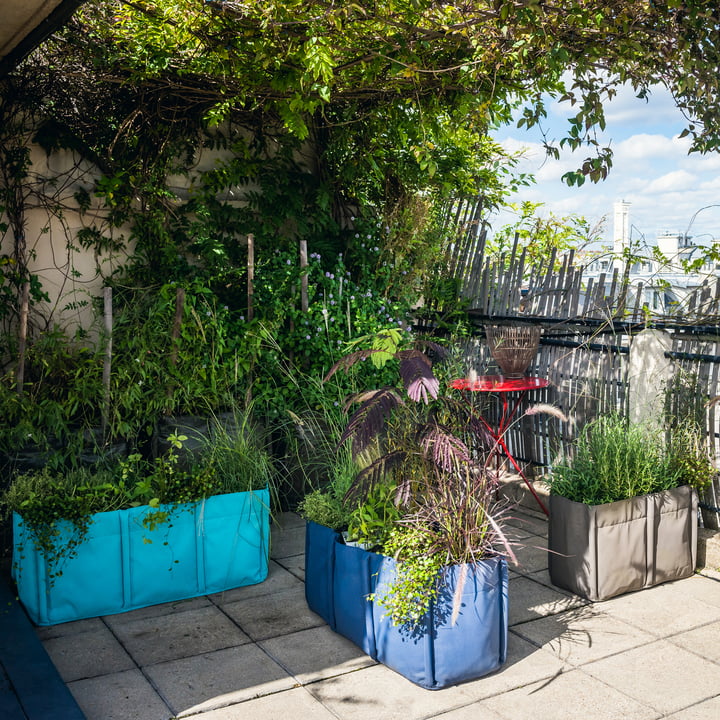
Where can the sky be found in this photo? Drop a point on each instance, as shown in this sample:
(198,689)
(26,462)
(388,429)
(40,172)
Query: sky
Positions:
(652,170)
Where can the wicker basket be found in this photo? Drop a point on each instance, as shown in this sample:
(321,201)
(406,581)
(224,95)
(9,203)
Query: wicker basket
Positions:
(513,347)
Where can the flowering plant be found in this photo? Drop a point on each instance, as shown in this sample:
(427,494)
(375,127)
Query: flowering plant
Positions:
(423,490)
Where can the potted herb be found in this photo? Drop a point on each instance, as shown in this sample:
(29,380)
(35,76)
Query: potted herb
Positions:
(622,514)
(423,588)
(95,541)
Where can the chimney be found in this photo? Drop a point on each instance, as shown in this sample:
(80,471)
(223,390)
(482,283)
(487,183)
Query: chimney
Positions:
(621,230)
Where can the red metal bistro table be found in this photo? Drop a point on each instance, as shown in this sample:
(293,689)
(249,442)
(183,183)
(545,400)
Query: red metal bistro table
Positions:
(503,387)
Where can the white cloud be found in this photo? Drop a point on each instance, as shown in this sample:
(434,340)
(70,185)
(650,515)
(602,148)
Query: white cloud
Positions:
(651,169)
(643,147)
(674,181)
(627,110)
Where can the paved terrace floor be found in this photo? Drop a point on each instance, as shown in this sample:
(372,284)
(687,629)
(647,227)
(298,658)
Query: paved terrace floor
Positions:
(258,653)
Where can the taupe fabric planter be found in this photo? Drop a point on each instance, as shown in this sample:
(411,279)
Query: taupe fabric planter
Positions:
(599,551)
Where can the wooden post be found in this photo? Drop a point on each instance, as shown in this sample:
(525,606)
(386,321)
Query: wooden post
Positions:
(107,360)
(22,339)
(250,275)
(304,277)
(250,309)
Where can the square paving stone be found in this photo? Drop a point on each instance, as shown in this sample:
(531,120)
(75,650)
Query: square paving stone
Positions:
(532,524)
(583,635)
(316,653)
(382,694)
(287,705)
(699,587)
(287,541)
(707,710)
(294,564)
(525,664)
(278,579)
(273,615)
(476,711)
(119,696)
(530,600)
(543,577)
(156,639)
(206,682)
(69,628)
(288,520)
(569,696)
(160,610)
(661,675)
(87,654)
(662,610)
(531,555)
(703,641)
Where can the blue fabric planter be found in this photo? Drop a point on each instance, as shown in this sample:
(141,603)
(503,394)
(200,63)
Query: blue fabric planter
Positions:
(205,547)
(338,580)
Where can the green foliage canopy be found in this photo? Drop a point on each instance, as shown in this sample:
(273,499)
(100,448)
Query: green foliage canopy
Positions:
(309,62)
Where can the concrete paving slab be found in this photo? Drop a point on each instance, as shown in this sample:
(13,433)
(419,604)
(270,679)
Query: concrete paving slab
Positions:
(119,696)
(699,587)
(69,628)
(514,531)
(568,696)
(530,523)
(663,676)
(286,520)
(476,711)
(381,694)
(663,610)
(707,710)
(703,641)
(531,555)
(297,703)
(154,611)
(294,564)
(207,682)
(278,579)
(273,615)
(287,541)
(525,664)
(88,654)
(530,600)
(281,661)
(178,635)
(315,654)
(30,686)
(539,576)
(582,635)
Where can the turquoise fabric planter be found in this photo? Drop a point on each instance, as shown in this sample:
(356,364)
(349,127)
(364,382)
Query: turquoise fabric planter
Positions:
(438,653)
(205,547)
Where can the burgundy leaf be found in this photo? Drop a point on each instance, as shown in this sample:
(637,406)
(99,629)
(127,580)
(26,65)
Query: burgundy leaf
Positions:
(446,451)
(368,421)
(417,376)
(373,474)
(347,361)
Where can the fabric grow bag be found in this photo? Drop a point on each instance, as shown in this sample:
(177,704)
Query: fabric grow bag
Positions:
(600,551)
(438,653)
(205,547)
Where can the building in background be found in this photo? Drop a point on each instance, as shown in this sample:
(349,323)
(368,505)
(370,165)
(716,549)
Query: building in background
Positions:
(664,273)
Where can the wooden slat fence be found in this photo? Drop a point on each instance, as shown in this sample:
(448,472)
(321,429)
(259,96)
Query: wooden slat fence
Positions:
(588,326)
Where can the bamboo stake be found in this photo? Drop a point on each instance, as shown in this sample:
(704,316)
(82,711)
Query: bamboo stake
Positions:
(304,304)
(107,359)
(22,339)
(251,275)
